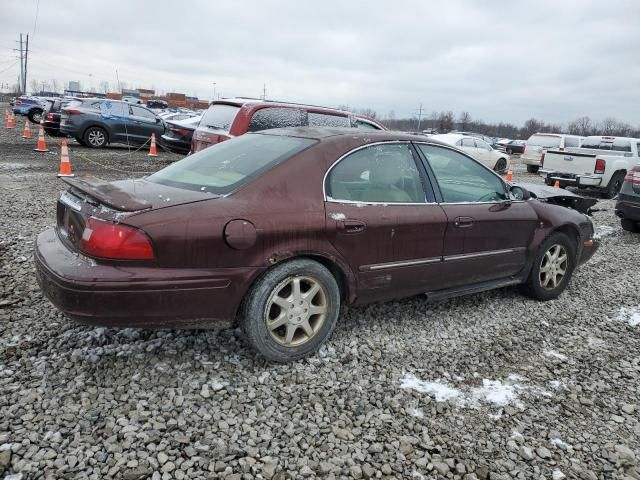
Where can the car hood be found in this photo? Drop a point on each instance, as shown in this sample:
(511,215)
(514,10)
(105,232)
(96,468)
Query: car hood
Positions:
(135,195)
(560,196)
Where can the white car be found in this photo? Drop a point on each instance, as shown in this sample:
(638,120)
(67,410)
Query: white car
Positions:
(478,149)
(539,143)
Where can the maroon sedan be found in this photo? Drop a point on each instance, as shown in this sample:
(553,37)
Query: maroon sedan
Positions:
(277,229)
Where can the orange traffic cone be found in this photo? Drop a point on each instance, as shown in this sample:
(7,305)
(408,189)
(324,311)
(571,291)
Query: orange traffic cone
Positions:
(42,146)
(26,133)
(153,152)
(11,122)
(557,184)
(65,165)
(509,176)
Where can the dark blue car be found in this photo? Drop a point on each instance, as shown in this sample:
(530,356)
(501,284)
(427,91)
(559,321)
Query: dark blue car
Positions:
(32,107)
(96,122)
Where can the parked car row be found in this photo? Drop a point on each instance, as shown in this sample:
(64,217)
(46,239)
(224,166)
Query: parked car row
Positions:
(478,149)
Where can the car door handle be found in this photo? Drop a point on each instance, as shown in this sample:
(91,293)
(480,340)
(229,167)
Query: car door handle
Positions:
(353,226)
(463,222)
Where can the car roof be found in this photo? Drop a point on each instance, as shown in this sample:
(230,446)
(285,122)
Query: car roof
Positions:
(368,136)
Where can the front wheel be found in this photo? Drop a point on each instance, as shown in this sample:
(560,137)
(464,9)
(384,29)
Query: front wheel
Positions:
(291,310)
(630,226)
(553,266)
(533,168)
(35,115)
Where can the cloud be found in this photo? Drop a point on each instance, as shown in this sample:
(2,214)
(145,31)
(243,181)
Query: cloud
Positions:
(499,60)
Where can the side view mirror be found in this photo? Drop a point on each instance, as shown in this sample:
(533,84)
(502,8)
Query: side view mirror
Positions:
(158,120)
(519,193)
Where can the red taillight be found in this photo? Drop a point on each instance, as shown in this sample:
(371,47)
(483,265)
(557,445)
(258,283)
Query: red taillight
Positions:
(600,166)
(71,111)
(542,160)
(18,102)
(49,116)
(115,240)
(633,176)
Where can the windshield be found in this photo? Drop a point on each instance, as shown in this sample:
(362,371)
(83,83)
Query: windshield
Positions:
(226,166)
(546,141)
(219,116)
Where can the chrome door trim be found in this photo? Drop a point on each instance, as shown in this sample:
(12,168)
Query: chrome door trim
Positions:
(488,253)
(407,263)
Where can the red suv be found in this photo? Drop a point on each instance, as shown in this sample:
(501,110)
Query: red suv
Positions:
(232,117)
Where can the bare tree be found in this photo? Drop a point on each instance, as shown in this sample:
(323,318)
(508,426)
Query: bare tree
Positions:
(581,126)
(531,126)
(368,112)
(464,120)
(391,115)
(445,121)
(104,86)
(35,86)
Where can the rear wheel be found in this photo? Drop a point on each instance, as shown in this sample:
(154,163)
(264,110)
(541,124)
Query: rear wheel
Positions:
(501,165)
(80,141)
(630,226)
(553,266)
(35,115)
(509,151)
(533,168)
(615,184)
(95,137)
(291,310)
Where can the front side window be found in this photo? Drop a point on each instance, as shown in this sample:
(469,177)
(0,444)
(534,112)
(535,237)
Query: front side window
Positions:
(462,179)
(483,145)
(380,173)
(277,117)
(620,145)
(324,120)
(228,165)
(365,125)
(142,112)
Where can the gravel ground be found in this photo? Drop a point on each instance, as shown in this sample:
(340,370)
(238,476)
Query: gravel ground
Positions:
(487,386)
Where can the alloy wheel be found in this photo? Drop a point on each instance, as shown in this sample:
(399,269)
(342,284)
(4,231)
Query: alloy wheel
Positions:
(296,310)
(96,138)
(553,267)
(37,117)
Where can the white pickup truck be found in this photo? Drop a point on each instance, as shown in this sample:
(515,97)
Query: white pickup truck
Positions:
(601,162)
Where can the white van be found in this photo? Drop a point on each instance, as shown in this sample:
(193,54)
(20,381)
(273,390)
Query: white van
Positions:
(539,143)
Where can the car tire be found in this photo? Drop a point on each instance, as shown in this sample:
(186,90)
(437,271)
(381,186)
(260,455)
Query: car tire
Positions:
(615,184)
(550,274)
(80,141)
(630,225)
(95,137)
(35,115)
(500,166)
(533,168)
(276,316)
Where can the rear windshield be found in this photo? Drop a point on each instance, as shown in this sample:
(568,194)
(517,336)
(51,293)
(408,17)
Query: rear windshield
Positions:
(226,166)
(615,144)
(219,116)
(546,141)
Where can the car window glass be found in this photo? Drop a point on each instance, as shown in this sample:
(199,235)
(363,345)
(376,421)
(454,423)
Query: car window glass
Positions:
(379,173)
(571,142)
(620,145)
(365,125)
(482,144)
(113,108)
(324,120)
(462,179)
(468,142)
(219,116)
(277,117)
(142,112)
(227,166)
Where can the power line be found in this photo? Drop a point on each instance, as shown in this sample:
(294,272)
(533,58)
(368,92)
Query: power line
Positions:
(35,23)
(9,67)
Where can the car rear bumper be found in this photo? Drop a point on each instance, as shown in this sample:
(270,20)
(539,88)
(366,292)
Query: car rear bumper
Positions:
(175,145)
(530,160)
(121,296)
(570,179)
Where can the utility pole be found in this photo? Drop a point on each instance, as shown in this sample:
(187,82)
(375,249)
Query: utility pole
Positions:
(419,113)
(264,91)
(21,87)
(26,53)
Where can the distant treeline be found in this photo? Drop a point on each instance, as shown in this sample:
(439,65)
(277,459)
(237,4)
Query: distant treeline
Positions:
(444,122)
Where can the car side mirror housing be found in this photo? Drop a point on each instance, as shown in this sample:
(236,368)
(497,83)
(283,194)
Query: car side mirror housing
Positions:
(519,193)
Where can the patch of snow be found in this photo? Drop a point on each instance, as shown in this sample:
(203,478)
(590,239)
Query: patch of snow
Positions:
(416,412)
(338,216)
(594,342)
(496,392)
(556,355)
(5,446)
(516,435)
(555,384)
(603,231)
(559,443)
(13,476)
(558,475)
(631,315)
(514,377)
(441,391)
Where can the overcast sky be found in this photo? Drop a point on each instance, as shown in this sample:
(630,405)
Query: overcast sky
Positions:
(501,60)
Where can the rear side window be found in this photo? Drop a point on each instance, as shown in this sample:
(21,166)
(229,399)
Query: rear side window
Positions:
(545,141)
(324,120)
(267,118)
(468,142)
(219,116)
(118,109)
(621,146)
(571,142)
(227,166)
